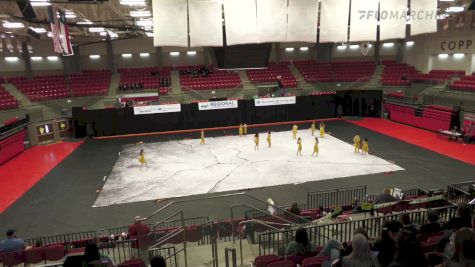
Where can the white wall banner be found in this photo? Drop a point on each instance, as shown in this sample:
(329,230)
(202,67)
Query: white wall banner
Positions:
(334,21)
(170,23)
(275,101)
(363,23)
(141,110)
(206,26)
(211,105)
(272,20)
(241,22)
(423,16)
(392,19)
(302,21)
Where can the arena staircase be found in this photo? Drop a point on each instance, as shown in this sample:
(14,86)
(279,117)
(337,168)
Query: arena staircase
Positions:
(114,85)
(374,82)
(22,99)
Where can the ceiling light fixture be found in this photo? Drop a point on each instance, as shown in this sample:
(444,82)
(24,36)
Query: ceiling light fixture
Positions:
(85,22)
(38,30)
(132,2)
(455,9)
(13,25)
(96,29)
(140,13)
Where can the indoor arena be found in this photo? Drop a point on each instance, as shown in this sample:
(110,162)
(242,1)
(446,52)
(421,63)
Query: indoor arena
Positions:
(263,133)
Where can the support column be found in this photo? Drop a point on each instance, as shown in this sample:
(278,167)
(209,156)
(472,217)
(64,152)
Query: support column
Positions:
(110,56)
(158,57)
(400,50)
(26,57)
(277,52)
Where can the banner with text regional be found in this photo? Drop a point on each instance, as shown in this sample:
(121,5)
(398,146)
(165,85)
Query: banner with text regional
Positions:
(218,105)
(276,101)
(141,110)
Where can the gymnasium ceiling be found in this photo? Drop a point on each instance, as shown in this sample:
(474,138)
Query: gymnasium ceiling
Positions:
(110,14)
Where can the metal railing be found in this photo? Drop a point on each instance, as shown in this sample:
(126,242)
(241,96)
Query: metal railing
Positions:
(168,253)
(275,242)
(336,197)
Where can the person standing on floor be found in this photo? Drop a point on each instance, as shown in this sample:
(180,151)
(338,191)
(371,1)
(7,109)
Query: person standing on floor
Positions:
(295,129)
(241,130)
(315,147)
(256,141)
(142,158)
(365,147)
(244,127)
(299,147)
(312,128)
(269,140)
(202,142)
(322,129)
(357,142)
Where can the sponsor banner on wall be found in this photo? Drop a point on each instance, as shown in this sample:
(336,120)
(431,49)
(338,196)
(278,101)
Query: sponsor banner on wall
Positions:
(275,101)
(153,109)
(226,104)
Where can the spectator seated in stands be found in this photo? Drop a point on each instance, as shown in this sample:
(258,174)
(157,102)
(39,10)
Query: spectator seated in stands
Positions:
(361,256)
(92,257)
(385,197)
(12,243)
(386,245)
(332,250)
(463,218)
(140,231)
(460,250)
(301,245)
(348,249)
(408,225)
(409,252)
(295,209)
(158,261)
(433,226)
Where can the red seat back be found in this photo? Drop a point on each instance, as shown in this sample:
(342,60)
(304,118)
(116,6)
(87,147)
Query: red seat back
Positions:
(285,263)
(264,260)
(314,261)
(12,258)
(54,252)
(34,255)
(132,263)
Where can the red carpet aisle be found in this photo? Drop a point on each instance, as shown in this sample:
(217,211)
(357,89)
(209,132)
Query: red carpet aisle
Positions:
(419,137)
(18,175)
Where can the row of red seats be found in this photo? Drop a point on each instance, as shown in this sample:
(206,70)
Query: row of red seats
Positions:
(438,76)
(466,84)
(149,77)
(33,255)
(217,79)
(431,119)
(7,101)
(397,74)
(336,72)
(270,75)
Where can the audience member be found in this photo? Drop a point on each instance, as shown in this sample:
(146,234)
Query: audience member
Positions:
(460,251)
(409,252)
(408,225)
(158,261)
(92,257)
(295,209)
(433,225)
(361,254)
(348,249)
(386,245)
(463,218)
(12,243)
(301,245)
(332,249)
(140,231)
(385,197)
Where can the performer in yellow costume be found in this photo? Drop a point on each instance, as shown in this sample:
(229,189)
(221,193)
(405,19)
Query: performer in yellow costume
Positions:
(244,129)
(202,142)
(312,128)
(322,129)
(299,147)
(315,147)
(142,158)
(357,141)
(295,128)
(269,140)
(365,148)
(256,141)
(241,130)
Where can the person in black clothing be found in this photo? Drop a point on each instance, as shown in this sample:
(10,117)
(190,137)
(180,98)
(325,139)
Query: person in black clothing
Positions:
(463,218)
(433,226)
(386,245)
(385,197)
(408,225)
(158,261)
(409,252)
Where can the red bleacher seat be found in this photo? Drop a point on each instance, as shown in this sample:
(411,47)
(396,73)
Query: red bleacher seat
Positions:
(132,263)
(438,76)
(54,252)
(465,84)
(7,101)
(264,260)
(216,79)
(270,75)
(34,255)
(11,258)
(314,261)
(149,77)
(336,72)
(285,263)
(393,74)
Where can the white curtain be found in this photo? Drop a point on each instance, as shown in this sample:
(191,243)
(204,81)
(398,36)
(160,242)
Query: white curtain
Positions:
(205,23)
(334,20)
(302,21)
(363,23)
(241,22)
(424,19)
(170,24)
(272,20)
(392,20)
